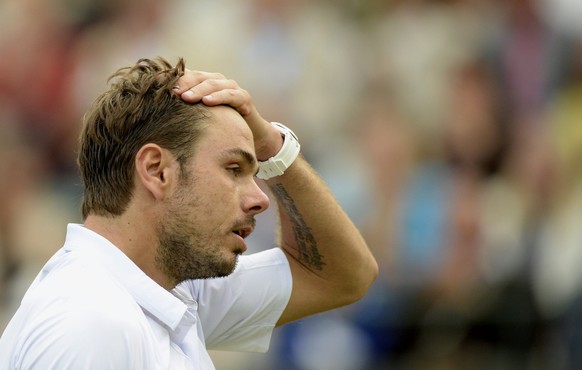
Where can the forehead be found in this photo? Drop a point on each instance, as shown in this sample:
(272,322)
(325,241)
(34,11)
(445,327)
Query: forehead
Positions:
(226,131)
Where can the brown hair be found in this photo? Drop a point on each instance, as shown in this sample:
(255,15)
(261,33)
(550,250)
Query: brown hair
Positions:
(138,108)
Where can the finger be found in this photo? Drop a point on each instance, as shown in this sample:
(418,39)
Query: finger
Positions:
(193,78)
(238,98)
(208,87)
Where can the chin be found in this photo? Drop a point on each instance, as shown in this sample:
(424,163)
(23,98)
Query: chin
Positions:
(234,262)
(228,265)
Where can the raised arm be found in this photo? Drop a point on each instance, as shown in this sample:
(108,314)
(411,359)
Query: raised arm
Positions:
(330,262)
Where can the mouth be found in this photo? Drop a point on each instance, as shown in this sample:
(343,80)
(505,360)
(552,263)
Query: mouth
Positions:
(243,232)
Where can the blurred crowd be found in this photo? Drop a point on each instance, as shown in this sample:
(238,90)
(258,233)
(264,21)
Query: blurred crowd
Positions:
(450,131)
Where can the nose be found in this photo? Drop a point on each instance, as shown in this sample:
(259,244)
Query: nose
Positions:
(256,201)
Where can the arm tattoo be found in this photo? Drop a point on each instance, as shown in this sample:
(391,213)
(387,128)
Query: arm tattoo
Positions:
(308,253)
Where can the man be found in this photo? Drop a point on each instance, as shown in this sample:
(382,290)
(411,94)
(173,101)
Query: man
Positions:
(151,279)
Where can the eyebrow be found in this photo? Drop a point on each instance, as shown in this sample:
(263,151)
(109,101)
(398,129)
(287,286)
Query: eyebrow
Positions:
(246,156)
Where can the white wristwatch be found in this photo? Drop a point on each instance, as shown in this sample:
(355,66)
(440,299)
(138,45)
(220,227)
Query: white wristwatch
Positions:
(276,165)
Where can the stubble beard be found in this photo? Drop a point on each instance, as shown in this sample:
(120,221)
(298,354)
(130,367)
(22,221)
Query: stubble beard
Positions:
(184,252)
(183,255)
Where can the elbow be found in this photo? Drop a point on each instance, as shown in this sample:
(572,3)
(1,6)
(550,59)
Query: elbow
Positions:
(368,277)
(361,281)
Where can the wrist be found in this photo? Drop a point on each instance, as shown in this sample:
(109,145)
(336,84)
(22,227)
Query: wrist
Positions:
(278,163)
(270,145)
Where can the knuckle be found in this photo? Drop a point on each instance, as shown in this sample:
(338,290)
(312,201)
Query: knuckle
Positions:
(245,111)
(247,96)
(213,82)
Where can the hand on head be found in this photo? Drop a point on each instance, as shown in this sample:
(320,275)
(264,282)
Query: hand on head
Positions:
(215,89)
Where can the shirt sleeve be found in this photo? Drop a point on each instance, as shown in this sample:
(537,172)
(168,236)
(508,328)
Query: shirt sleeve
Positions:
(239,312)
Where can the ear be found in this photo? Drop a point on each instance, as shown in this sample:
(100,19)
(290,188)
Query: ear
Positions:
(155,169)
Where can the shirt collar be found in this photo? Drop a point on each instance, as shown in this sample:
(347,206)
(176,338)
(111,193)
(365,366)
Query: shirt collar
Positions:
(150,296)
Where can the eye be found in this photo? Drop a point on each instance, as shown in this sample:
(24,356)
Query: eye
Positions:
(235,169)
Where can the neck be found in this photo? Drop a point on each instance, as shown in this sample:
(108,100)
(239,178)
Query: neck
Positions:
(135,237)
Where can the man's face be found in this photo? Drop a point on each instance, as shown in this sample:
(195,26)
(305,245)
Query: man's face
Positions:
(212,208)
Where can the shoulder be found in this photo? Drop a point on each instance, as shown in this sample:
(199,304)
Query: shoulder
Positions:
(78,314)
(80,287)
(238,312)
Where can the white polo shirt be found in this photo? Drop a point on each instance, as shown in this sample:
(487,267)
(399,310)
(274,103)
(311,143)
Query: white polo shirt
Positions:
(91,307)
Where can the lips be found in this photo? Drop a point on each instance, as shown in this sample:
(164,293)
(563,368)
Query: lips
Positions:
(243,232)
(243,228)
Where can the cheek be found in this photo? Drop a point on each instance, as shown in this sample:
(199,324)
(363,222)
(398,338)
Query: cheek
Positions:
(223,193)
(220,204)
(217,200)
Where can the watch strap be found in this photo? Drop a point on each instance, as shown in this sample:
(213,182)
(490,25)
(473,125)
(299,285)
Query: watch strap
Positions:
(276,165)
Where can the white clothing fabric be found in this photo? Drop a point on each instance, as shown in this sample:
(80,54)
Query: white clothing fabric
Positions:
(91,307)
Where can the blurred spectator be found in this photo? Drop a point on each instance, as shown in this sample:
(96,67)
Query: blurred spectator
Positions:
(418,43)
(125,32)
(556,278)
(527,56)
(42,112)
(19,162)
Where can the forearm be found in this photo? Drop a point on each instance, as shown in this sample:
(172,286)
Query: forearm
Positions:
(328,256)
